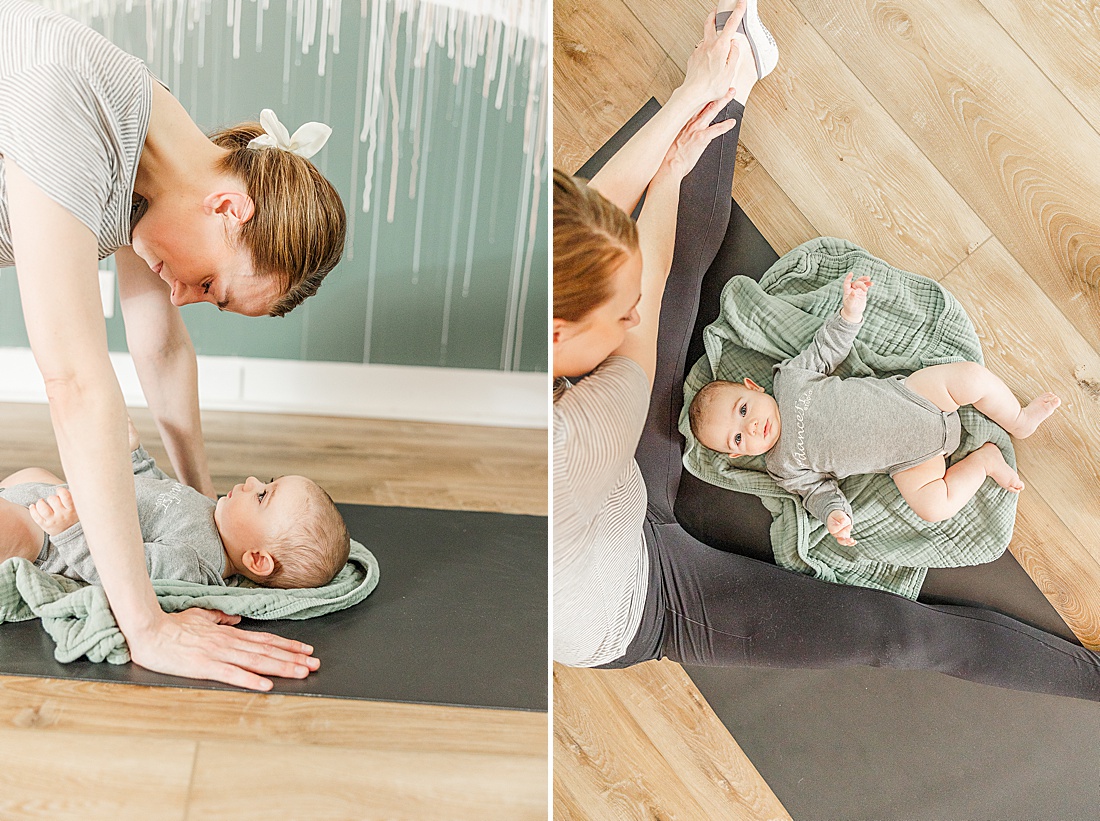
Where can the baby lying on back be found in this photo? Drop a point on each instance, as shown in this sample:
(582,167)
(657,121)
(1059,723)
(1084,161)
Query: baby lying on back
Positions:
(282,533)
(820,428)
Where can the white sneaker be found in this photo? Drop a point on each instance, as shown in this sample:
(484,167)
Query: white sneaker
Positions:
(764,50)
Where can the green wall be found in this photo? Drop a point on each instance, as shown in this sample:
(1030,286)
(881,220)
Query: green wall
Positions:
(374,307)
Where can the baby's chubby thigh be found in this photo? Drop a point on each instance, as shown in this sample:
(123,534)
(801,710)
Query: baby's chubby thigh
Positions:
(950,385)
(31,476)
(20,537)
(922,487)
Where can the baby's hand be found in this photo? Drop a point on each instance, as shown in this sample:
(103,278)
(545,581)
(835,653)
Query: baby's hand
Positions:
(855,298)
(839,524)
(55,514)
(135,440)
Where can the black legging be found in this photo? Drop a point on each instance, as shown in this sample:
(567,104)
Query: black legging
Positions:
(709,607)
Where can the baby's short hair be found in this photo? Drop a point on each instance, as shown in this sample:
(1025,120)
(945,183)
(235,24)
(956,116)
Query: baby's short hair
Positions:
(702,402)
(312,552)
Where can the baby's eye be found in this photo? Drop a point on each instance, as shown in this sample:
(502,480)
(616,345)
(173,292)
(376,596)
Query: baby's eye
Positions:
(744,408)
(206,286)
(260,496)
(737,439)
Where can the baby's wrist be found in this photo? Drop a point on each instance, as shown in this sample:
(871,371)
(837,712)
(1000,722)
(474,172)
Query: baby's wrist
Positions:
(847,316)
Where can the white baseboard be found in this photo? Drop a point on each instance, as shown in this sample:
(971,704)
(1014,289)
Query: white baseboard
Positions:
(446,395)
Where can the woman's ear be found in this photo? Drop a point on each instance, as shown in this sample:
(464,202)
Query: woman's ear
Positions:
(259,563)
(236,206)
(563,330)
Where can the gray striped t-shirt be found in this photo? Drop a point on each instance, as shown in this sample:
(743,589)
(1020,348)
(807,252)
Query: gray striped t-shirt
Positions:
(601,567)
(74,111)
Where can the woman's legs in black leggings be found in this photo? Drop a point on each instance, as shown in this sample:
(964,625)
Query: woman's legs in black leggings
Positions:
(726,610)
(722,609)
(704,213)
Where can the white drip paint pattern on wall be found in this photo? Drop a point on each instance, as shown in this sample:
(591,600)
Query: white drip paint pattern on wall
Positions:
(497,51)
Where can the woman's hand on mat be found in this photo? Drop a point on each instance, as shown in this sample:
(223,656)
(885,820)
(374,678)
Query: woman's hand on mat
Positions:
(710,68)
(840,525)
(855,297)
(55,514)
(201,644)
(694,137)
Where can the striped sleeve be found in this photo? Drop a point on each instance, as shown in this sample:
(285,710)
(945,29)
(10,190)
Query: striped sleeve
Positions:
(74,113)
(601,419)
(600,561)
(52,139)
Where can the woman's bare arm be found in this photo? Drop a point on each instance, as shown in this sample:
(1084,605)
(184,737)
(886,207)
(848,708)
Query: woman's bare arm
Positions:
(55,257)
(165,361)
(708,76)
(657,229)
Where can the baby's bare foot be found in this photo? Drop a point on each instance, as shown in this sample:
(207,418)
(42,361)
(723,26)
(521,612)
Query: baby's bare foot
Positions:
(1035,414)
(999,470)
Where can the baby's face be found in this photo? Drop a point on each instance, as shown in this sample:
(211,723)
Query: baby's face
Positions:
(254,513)
(740,420)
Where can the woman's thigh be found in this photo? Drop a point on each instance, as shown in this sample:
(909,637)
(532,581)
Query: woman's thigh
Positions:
(727,610)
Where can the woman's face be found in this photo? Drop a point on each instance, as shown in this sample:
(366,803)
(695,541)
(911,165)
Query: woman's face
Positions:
(582,345)
(191,252)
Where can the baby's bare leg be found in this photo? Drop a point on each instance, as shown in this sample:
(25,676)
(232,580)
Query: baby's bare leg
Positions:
(936,492)
(29,475)
(968,383)
(19,535)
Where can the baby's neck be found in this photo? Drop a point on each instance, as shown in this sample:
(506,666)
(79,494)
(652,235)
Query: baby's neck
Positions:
(229,569)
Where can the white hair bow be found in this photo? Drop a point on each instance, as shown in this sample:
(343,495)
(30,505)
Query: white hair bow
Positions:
(307,140)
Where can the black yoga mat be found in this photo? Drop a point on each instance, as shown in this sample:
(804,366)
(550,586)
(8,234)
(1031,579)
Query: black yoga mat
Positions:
(889,745)
(458,618)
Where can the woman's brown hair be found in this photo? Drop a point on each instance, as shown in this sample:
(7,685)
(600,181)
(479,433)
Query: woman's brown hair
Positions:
(297,230)
(592,238)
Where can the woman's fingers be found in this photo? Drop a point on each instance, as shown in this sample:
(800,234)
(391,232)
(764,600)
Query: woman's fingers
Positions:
(258,643)
(709,26)
(735,18)
(713,108)
(709,70)
(195,644)
(278,642)
(214,616)
(255,658)
(218,617)
(269,649)
(237,677)
(718,129)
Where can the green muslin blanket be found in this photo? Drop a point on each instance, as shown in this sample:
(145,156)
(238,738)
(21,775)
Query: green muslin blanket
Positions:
(910,323)
(79,620)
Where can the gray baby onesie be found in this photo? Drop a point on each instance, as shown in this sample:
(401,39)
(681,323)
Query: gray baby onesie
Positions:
(177,526)
(832,428)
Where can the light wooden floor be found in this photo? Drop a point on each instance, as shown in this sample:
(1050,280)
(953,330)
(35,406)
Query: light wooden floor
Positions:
(955,138)
(77,750)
